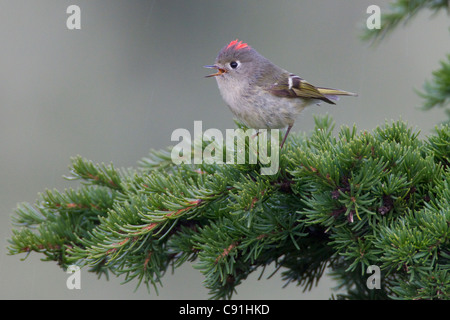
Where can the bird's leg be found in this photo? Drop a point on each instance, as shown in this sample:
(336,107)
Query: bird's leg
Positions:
(285,136)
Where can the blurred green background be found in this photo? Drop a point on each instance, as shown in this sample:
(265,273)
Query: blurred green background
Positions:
(133,74)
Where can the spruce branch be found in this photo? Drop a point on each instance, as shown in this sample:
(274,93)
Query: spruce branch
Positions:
(402,11)
(341,202)
(436,92)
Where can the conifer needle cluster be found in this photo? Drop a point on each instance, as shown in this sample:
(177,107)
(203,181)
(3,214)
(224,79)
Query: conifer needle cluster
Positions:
(345,202)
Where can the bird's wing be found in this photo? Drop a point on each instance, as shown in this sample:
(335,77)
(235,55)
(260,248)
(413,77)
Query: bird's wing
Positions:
(292,86)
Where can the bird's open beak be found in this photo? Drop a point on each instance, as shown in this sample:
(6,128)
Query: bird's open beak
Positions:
(218,73)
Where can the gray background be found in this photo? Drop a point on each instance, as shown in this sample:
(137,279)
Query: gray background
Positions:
(133,74)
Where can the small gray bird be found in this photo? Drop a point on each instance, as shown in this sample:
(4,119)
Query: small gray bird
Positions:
(262,95)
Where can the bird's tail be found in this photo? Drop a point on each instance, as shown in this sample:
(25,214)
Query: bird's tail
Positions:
(334,93)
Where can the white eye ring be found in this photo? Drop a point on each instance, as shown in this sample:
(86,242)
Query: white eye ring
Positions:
(234,64)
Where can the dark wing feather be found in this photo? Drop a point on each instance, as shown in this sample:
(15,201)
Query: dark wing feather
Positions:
(296,88)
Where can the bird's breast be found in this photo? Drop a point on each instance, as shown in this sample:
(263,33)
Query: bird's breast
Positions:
(258,108)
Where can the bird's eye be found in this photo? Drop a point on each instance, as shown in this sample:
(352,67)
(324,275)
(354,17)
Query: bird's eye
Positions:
(233,64)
